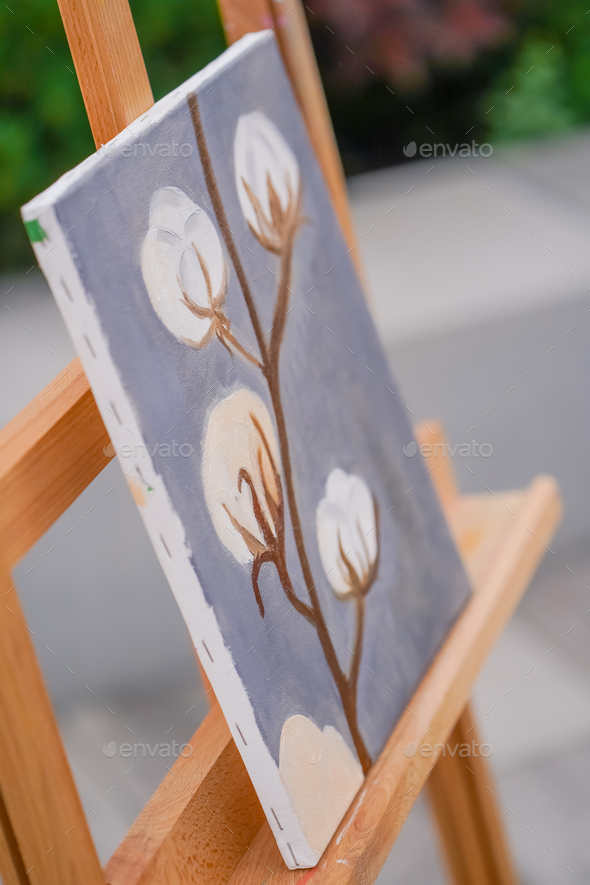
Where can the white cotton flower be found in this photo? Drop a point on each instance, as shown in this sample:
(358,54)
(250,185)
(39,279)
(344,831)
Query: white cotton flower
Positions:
(347,533)
(240,474)
(183,268)
(321,776)
(267,180)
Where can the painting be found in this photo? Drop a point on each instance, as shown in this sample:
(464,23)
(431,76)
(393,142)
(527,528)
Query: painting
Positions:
(205,281)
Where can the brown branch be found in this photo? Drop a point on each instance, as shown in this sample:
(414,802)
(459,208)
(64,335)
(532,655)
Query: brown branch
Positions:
(270,368)
(275,542)
(219,210)
(256,566)
(358,645)
(229,336)
(255,546)
(283,289)
(281,307)
(298,604)
(272,376)
(269,538)
(340,678)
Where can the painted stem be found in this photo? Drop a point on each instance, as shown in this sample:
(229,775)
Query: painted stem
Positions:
(342,683)
(358,646)
(229,336)
(270,368)
(223,225)
(345,688)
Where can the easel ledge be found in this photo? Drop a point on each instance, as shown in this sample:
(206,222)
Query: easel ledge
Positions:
(204,823)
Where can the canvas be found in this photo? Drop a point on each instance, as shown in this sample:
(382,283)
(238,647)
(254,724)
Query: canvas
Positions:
(205,281)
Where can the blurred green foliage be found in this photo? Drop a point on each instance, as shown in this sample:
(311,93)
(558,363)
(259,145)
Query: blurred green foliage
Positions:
(43,126)
(533,97)
(537,84)
(546,88)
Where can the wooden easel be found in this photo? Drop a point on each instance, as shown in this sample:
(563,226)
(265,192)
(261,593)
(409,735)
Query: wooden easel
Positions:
(204,823)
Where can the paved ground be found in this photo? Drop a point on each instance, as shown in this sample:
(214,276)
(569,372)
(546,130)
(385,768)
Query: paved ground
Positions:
(450,242)
(468,299)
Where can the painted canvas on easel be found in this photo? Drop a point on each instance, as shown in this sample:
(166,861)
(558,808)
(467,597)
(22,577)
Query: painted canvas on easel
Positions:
(202,273)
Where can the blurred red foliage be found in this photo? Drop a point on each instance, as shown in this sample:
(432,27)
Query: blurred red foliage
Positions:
(399,39)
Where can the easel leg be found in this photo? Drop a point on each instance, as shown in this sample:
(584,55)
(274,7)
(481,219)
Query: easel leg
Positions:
(467,815)
(44,835)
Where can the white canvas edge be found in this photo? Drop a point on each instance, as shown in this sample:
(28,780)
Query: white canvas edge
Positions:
(168,538)
(155,114)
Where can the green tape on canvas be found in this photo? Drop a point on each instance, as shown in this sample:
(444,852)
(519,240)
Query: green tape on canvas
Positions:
(35,231)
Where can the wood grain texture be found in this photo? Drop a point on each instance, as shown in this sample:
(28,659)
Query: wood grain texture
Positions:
(12,868)
(240,18)
(53,449)
(470,827)
(207,687)
(431,439)
(289,23)
(108,62)
(49,453)
(199,822)
(298,55)
(45,818)
(519,524)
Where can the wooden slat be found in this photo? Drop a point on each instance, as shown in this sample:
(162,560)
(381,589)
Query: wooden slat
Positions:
(297,49)
(431,440)
(240,18)
(358,851)
(54,448)
(288,20)
(49,453)
(199,822)
(44,816)
(463,796)
(108,62)
(12,868)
